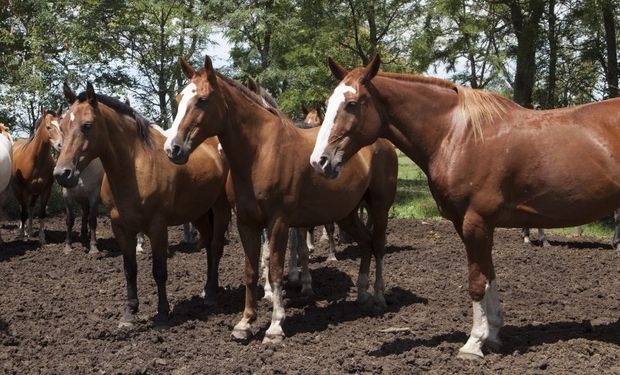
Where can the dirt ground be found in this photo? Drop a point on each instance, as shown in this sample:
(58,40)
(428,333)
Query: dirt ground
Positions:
(59,313)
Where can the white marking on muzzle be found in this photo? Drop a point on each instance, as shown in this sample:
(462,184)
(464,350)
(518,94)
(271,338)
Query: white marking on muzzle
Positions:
(333,105)
(186,96)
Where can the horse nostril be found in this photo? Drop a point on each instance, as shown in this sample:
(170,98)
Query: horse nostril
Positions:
(66,173)
(323,161)
(176,149)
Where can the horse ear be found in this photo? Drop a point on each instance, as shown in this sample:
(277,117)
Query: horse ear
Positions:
(187,69)
(211,76)
(371,70)
(338,71)
(304,109)
(252,85)
(90,94)
(69,94)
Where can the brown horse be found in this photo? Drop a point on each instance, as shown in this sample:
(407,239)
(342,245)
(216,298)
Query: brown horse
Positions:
(483,169)
(312,116)
(33,168)
(274,185)
(148,192)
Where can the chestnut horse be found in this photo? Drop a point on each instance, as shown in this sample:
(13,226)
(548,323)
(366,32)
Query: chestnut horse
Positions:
(279,192)
(483,169)
(33,168)
(148,192)
(6,162)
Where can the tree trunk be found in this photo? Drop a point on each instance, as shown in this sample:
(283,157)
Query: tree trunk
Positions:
(610,40)
(553,58)
(527,31)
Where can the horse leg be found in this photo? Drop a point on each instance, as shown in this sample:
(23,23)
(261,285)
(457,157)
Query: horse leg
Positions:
(304,254)
(264,264)
(22,198)
(2,200)
(329,230)
(324,233)
(33,201)
(220,219)
(69,221)
(85,215)
(42,213)
(616,241)
(487,311)
(579,230)
(92,225)
(189,235)
(294,244)
(310,239)
(379,224)
(140,243)
(250,238)
(158,234)
(355,227)
(542,238)
(127,242)
(525,233)
(277,250)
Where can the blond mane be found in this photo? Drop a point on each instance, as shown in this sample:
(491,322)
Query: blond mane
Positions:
(479,106)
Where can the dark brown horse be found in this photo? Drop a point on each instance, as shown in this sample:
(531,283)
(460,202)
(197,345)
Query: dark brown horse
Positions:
(148,193)
(33,168)
(279,192)
(483,169)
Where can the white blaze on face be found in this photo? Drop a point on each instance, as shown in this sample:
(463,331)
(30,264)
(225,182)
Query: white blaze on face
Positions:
(333,105)
(186,96)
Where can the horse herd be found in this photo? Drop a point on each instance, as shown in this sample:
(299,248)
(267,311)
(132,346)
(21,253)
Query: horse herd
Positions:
(224,151)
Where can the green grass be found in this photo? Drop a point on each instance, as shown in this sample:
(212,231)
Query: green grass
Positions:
(414,201)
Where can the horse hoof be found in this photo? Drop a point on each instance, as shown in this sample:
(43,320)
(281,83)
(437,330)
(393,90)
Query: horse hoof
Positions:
(308,293)
(241,335)
(161,320)
(67,250)
(546,244)
(494,345)
(268,296)
(126,323)
(470,356)
(93,251)
(273,339)
(210,300)
(332,258)
(527,241)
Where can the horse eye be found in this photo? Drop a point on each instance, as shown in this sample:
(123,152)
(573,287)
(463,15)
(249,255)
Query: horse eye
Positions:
(86,127)
(351,105)
(203,98)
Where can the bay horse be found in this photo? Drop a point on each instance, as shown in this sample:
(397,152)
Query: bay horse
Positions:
(279,192)
(148,192)
(32,176)
(6,162)
(482,167)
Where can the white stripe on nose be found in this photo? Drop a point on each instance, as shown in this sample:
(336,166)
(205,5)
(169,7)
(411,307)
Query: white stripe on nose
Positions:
(333,105)
(186,96)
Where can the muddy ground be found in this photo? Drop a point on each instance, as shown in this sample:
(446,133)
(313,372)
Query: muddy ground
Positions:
(59,313)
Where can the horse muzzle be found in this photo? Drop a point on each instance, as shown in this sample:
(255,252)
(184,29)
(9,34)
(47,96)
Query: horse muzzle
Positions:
(66,176)
(329,167)
(176,152)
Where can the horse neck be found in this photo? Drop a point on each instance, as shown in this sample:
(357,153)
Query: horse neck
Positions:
(420,116)
(39,147)
(248,127)
(120,150)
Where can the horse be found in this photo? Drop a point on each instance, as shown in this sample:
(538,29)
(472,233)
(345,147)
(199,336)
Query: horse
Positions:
(312,119)
(280,192)
(483,170)
(86,195)
(6,161)
(148,193)
(32,176)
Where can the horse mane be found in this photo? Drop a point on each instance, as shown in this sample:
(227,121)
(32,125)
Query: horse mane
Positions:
(38,122)
(251,95)
(480,106)
(143,125)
